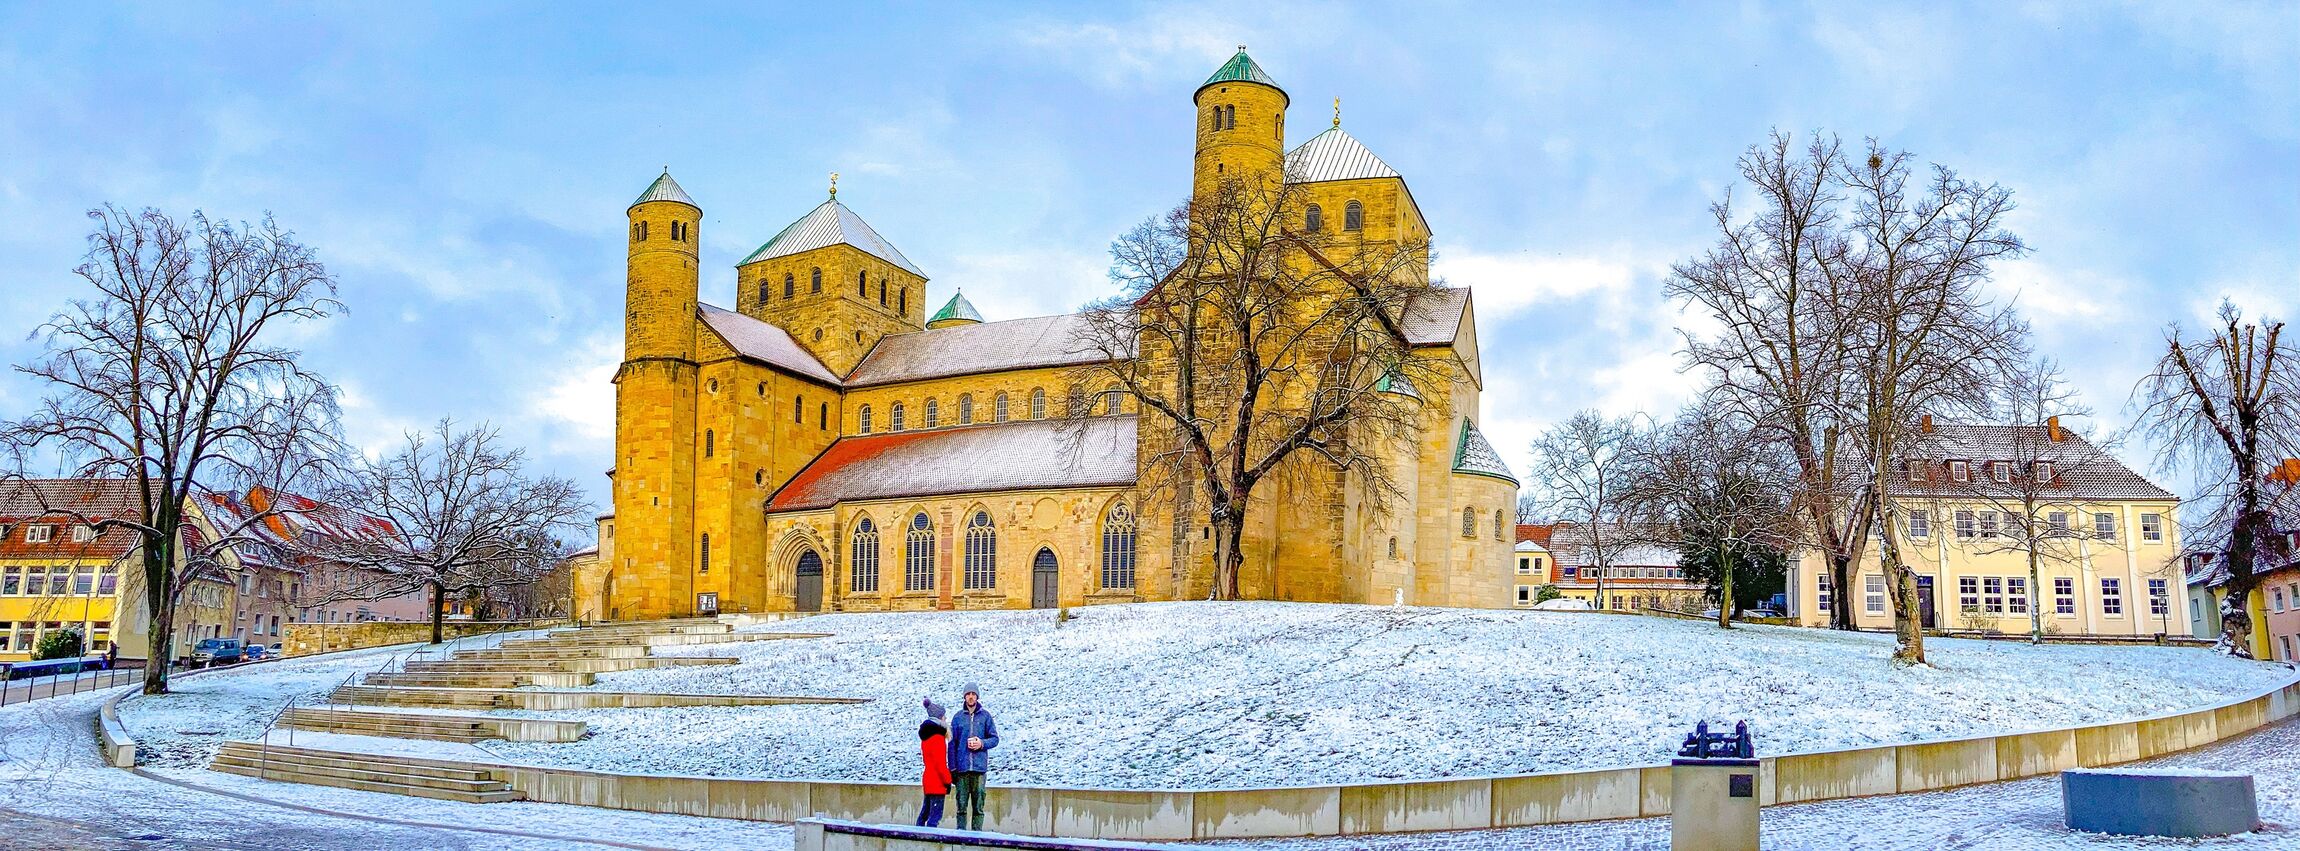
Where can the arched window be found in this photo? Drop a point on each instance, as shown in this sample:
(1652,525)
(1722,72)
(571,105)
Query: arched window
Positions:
(1214,117)
(823,415)
(933,414)
(1497,524)
(965,409)
(1353,216)
(763,291)
(882,292)
(1393,546)
(862,284)
(705,554)
(864,417)
(1118,547)
(918,555)
(678,231)
(635,226)
(1469,523)
(1038,403)
(981,552)
(799,408)
(1314,220)
(1230,117)
(865,558)
(790,286)
(902,299)
(815,285)
(710,442)
(1113,402)
(998,407)
(894,417)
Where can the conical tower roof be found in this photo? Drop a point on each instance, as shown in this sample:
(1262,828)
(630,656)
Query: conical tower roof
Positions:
(957,311)
(830,224)
(665,189)
(1241,69)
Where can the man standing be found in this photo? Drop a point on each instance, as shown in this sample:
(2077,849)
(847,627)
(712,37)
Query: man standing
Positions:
(972,734)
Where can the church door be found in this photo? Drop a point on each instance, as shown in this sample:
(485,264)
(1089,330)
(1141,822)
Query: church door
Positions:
(1045,584)
(810,582)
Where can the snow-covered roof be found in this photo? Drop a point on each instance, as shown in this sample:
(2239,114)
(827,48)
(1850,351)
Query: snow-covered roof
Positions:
(1530,547)
(831,223)
(766,343)
(1334,155)
(1434,318)
(1473,455)
(1028,455)
(1044,341)
(2080,469)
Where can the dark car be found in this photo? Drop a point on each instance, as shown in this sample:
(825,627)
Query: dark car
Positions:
(218,651)
(257,652)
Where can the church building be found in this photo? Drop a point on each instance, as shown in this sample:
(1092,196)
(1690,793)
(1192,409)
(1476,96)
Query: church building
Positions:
(827,444)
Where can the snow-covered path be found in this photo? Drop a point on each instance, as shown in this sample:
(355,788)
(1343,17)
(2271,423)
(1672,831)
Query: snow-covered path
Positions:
(1251,694)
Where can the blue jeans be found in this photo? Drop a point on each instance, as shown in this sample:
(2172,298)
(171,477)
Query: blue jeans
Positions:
(930,812)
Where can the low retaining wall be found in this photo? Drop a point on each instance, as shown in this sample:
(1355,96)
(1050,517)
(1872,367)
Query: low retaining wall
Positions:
(1450,804)
(817,834)
(305,639)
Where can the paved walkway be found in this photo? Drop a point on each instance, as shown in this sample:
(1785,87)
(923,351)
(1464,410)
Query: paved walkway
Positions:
(35,688)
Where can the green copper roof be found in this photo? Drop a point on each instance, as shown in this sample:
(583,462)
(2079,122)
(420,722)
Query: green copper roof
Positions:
(665,189)
(1473,455)
(1241,69)
(958,308)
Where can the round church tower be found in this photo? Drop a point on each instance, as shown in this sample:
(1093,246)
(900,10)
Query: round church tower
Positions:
(1241,127)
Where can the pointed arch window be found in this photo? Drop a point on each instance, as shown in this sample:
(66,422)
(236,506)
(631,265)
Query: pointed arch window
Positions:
(1118,547)
(966,409)
(981,552)
(790,286)
(1314,220)
(998,407)
(863,416)
(1353,216)
(1038,403)
(933,414)
(816,285)
(894,417)
(865,557)
(918,555)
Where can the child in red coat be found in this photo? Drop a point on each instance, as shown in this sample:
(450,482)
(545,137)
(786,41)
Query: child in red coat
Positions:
(933,751)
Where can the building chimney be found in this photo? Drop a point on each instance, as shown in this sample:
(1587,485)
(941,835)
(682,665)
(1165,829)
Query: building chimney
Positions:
(2052,428)
(1926,424)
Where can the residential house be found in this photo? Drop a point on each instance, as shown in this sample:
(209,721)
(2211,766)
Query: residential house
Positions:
(59,570)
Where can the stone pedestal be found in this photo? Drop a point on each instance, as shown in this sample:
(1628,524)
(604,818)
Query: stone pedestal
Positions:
(2186,803)
(1713,805)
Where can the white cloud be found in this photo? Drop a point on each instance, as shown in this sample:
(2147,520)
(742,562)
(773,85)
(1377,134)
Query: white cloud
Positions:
(1508,285)
(1025,282)
(579,408)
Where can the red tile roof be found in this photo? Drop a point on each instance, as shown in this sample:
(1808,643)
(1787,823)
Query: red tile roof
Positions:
(1536,532)
(60,504)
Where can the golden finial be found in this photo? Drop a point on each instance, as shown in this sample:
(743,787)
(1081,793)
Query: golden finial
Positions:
(1241,47)
(1337,112)
(834,185)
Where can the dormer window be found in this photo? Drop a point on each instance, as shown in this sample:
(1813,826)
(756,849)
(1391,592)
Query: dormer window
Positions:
(83,533)
(1916,471)
(40,534)
(1960,471)
(2042,471)
(2000,472)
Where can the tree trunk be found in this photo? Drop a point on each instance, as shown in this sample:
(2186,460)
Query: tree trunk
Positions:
(2035,613)
(1724,589)
(2235,624)
(159,600)
(438,611)
(1229,527)
(1840,579)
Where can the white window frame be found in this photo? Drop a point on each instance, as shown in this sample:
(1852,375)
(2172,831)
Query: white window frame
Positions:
(39,533)
(1920,523)
(2064,601)
(1960,471)
(83,533)
(2104,525)
(1993,595)
(2016,595)
(2041,471)
(2111,594)
(2000,472)
(1873,593)
(2152,528)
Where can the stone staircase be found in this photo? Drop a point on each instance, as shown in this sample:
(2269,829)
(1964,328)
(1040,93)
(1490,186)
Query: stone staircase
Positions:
(473,679)
(422,778)
(445,728)
(562,664)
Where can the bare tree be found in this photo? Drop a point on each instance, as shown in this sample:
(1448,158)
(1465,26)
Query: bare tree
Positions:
(1852,305)
(171,377)
(1581,474)
(463,517)
(2227,408)
(1256,346)
(1708,486)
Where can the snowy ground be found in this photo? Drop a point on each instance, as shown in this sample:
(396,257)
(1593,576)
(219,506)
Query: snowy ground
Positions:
(1245,694)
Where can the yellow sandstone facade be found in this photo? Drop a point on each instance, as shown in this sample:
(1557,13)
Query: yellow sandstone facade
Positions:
(829,445)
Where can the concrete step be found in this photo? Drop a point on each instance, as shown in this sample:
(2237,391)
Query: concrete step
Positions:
(543,700)
(441,697)
(621,651)
(593,666)
(480,680)
(368,772)
(292,775)
(699,628)
(450,728)
(673,640)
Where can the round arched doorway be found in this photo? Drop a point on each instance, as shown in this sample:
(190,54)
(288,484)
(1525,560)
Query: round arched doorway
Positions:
(810,584)
(1045,580)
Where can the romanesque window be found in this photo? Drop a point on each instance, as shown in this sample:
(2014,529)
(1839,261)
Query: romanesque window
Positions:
(1353,216)
(918,555)
(902,299)
(998,407)
(1314,220)
(823,415)
(865,558)
(710,442)
(763,292)
(1118,547)
(799,409)
(933,414)
(965,409)
(1393,546)
(790,286)
(637,229)
(1038,403)
(1214,117)
(882,292)
(1230,117)
(862,284)
(1469,523)
(864,416)
(705,553)
(894,417)
(678,231)
(1497,524)
(816,285)
(981,552)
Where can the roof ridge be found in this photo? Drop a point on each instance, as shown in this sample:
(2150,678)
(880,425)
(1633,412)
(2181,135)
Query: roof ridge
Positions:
(827,225)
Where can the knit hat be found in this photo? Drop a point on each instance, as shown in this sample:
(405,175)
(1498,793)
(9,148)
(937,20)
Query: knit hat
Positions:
(934,711)
(972,689)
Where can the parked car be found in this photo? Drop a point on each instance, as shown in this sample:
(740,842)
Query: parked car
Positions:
(218,651)
(258,653)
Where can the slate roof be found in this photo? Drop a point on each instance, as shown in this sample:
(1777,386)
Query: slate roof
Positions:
(831,224)
(2080,470)
(1434,319)
(1334,155)
(56,503)
(1241,69)
(764,342)
(1473,455)
(665,189)
(1026,455)
(1044,341)
(957,308)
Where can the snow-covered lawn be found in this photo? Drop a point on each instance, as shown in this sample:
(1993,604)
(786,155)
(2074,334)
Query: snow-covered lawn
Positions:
(1246,694)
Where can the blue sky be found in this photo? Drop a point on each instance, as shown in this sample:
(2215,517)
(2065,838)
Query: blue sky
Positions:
(464,168)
